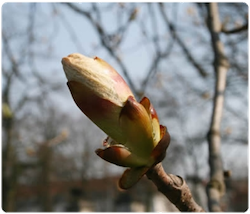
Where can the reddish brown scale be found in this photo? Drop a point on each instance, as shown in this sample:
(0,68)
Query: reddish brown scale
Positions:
(153,113)
(159,151)
(113,155)
(149,108)
(89,102)
(105,143)
(129,108)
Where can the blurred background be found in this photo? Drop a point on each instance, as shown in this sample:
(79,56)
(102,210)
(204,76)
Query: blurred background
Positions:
(164,52)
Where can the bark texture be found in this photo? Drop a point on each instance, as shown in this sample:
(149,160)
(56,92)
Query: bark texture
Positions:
(174,188)
(216,186)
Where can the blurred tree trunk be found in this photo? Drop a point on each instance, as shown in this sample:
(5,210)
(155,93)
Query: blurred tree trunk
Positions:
(216,186)
(9,171)
(45,155)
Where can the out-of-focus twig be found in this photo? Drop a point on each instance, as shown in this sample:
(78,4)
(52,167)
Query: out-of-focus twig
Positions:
(71,32)
(105,42)
(159,53)
(180,42)
(49,143)
(235,30)
(58,139)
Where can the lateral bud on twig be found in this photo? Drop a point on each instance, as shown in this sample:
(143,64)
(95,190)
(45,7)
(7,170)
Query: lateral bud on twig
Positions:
(174,188)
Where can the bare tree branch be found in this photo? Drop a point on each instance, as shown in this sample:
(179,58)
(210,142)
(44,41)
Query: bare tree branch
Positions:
(104,40)
(14,62)
(159,54)
(71,32)
(180,42)
(235,30)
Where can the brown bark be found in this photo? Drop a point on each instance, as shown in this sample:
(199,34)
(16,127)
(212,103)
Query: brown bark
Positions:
(235,30)
(174,188)
(216,186)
